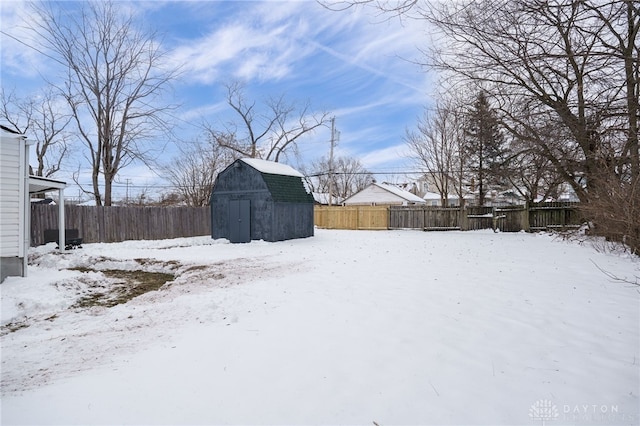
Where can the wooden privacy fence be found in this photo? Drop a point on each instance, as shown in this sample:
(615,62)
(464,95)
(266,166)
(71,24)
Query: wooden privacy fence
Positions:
(351,217)
(554,215)
(114,224)
(429,218)
(533,217)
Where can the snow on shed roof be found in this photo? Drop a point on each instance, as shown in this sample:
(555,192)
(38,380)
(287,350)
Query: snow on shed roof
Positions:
(271,167)
(400,192)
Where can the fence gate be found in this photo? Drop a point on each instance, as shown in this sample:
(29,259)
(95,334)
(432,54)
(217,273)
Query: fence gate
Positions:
(511,219)
(479,218)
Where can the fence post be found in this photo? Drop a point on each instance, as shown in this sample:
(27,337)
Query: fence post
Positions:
(424,218)
(524,218)
(463,219)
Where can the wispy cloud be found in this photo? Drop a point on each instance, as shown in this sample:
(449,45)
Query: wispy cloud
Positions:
(351,63)
(248,46)
(18,54)
(393,156)
(272,40)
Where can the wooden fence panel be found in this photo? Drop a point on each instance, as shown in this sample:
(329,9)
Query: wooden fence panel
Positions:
(554,216)
(330,217)
(410,217)
(512,219)
(442,218)
(479,218)
(351,217)
(428,218)
(114,224)
(373,217)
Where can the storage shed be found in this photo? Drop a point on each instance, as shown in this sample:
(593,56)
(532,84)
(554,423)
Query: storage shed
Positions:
(255,199)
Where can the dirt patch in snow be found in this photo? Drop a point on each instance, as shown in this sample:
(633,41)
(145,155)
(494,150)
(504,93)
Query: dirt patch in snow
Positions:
(130,296)
(125,286)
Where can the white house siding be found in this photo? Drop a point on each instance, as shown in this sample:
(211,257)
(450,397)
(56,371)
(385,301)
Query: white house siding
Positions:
(10,200)
(12,204)
(433,200)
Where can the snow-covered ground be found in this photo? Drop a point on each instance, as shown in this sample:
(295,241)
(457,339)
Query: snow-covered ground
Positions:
(346,327)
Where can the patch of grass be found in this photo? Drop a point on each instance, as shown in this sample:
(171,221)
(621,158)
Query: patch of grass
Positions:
(127,285)
(169,263)
(93,299)
(196,268)
(82,269)
(12,327)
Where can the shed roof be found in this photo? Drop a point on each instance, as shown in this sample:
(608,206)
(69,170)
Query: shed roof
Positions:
(284,182)
(287,189)
(271,167)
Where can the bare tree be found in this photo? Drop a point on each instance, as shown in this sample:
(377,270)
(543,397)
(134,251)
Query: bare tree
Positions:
(619,39)
(266,131)
(15,112)
(115,78)
(578,59)
(194,171)
(531,174)
(437,148)
(349,176)
(541,148)
(42,119)
(551,52)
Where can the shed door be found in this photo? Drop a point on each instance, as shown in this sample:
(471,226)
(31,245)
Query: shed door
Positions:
(239,221)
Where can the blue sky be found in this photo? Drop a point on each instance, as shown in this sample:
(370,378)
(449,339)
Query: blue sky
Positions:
(354,64)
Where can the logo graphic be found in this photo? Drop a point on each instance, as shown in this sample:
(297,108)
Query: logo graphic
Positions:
(543,410)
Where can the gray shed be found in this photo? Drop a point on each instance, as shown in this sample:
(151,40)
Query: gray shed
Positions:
(255,199)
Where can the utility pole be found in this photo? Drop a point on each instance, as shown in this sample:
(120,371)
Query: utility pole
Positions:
(127,197)
(333,143)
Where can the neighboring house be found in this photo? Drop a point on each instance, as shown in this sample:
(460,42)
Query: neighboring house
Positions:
(567,194)
(16,187)
(433,199)
(510,197)
(324,199)
(414,187)
(428,183)
(382,194)
(255,199)
(495,198)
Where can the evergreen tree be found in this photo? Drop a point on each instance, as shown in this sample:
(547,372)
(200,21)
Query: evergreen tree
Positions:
(485,146)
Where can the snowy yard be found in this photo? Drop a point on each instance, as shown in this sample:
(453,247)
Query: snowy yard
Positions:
(347,327)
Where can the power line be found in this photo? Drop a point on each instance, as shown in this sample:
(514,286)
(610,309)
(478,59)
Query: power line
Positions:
(124,185)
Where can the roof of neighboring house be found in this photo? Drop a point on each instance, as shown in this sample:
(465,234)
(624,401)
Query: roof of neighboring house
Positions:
(323,198)
(400,192)
(436,196)
(382,188)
